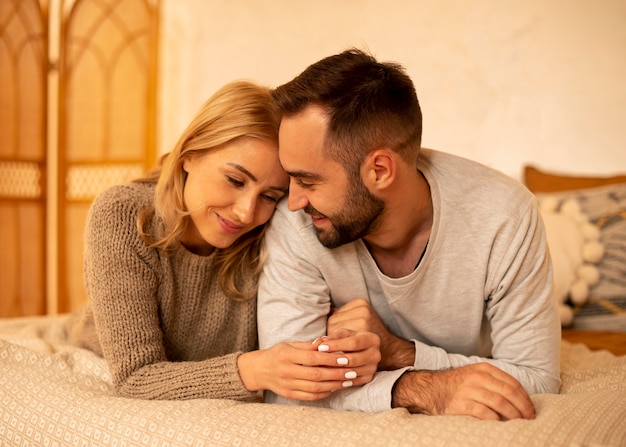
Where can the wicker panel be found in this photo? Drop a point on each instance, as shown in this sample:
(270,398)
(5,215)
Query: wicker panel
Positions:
(85,182)
(20,180)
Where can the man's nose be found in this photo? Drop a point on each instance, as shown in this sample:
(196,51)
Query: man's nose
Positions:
(296,199)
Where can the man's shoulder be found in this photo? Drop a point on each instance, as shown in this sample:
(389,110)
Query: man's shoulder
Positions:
(451,173)
(457,165)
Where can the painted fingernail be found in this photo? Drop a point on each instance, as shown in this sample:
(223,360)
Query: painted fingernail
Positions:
(342,361)
(323,348)
(350,375)
(319,340)
(347,384)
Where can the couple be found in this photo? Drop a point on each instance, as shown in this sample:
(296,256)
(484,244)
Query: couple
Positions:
(423,278)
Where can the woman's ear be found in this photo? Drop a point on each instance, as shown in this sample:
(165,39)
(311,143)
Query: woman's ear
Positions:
(186,163)
(379,169)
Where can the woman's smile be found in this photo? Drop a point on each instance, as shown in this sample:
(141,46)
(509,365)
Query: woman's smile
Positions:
(229,226)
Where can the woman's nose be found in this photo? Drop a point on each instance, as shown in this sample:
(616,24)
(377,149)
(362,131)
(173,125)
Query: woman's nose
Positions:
(244,209)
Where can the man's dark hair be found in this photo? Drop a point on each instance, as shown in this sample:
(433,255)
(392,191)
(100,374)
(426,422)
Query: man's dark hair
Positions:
(370,105)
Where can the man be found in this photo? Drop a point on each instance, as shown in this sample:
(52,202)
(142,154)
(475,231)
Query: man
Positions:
(443,258)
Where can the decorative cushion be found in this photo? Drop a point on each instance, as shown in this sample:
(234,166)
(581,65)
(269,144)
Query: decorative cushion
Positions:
(605,207)
(542,181)
(575,249)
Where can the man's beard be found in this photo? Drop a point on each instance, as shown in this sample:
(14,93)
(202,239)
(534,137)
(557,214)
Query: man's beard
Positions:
(359,217)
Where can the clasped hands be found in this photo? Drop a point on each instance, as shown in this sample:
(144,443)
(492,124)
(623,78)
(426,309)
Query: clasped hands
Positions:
(312,370)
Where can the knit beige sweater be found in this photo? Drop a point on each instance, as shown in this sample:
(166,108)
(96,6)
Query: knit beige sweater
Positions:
(161,321)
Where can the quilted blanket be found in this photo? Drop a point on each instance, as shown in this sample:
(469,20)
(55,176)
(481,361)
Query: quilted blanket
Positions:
(54,394)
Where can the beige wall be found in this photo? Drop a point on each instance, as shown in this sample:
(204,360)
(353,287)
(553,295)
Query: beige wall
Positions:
(504,82)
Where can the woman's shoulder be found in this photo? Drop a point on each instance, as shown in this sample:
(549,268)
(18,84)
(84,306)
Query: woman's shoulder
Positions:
(128,195)
(118,206)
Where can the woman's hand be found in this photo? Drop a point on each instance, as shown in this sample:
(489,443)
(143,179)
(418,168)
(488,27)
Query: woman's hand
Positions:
(311,371)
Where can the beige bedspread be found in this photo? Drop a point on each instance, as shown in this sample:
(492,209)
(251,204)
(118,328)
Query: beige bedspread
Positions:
(52,394)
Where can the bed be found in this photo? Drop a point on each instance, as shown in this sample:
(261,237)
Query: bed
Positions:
(55,394)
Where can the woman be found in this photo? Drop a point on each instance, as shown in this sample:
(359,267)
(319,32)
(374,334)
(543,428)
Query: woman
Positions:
(172,261)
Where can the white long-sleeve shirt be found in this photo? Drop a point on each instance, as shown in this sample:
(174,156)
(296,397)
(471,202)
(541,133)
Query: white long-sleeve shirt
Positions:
(481,293)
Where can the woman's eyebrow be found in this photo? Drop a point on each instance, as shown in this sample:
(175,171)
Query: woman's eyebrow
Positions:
(253,177)
(244,171)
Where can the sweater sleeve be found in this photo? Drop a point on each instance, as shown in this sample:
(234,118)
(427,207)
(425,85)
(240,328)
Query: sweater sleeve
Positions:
(122,279)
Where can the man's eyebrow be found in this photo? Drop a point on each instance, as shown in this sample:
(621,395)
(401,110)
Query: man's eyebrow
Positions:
(253,177)
(304,174)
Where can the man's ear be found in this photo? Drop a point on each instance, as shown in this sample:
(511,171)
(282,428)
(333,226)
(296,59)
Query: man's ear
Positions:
(379,169)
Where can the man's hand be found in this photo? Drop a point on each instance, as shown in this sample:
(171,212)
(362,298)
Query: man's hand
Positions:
(480,390)
(359,316)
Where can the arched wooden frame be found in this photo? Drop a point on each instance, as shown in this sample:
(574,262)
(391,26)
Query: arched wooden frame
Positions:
(107,112)
(23,104)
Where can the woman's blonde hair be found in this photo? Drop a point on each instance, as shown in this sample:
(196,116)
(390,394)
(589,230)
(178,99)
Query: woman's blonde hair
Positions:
(239,109)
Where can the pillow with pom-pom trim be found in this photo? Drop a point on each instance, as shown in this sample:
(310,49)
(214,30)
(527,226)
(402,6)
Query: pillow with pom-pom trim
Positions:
(604,209)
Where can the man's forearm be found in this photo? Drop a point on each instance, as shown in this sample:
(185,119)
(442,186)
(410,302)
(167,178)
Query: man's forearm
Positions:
(480,390)
(416,391)
(396,353)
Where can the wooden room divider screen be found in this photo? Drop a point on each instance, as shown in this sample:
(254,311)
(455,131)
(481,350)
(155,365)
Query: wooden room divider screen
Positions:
(77,114)
(23,103)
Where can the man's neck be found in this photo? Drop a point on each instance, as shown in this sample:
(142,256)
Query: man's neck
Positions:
(400,241)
